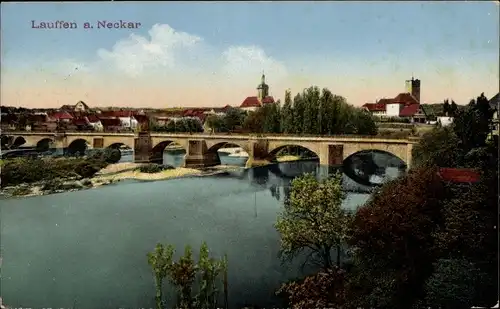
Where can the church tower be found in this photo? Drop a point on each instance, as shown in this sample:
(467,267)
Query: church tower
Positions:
(413,87)
(262,89)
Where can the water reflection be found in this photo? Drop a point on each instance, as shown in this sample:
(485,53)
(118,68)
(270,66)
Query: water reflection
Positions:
(89,247)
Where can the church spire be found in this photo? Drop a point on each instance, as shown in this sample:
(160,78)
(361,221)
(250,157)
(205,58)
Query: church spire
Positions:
(263,79)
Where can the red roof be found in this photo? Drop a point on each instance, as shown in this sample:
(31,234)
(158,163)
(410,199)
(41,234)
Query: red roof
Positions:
(375,107)
(405,98)
(459,175)
(250,102)
(80,121)
(110,122)
(409,110)
(92,118)
(268,100)
(254,102)
(61,115)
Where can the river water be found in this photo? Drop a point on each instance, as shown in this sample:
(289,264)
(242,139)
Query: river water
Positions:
(87,249)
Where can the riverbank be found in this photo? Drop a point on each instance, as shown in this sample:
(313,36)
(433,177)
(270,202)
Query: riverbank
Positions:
(111,174)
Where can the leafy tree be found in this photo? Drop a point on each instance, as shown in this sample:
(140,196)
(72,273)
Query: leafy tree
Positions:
(271,118)
(234,118)
(184,272)
(254,122)
(314,220)
(453,284)
(216,123)
(446,107)
(161,262)
(392,241)
(439,147)
(322,290)
(453,109)
(287,114)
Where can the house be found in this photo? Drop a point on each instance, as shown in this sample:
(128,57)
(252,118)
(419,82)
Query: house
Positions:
(262,98)
(78,107)
(444,121)
(62,117)
(126,118)
(405,105)
(82,124)
(111,124)
(41,122)
(95,122)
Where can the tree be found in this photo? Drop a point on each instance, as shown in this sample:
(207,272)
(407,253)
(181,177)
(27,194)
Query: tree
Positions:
(287,114)
(254,122)
(453,284)
(313,220)
(392,241)
(446,107)
(322,290)
(234,118)
(453,109)
(439,147)
(271,115)
(184,272)
(216,123)
(161,261)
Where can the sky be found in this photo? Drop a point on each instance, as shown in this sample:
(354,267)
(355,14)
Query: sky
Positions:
(190,54)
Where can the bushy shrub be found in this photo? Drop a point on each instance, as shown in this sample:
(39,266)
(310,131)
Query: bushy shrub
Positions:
(112,155)
(108,155)
(52,185)
(87,169)
(151,168)
(25,170)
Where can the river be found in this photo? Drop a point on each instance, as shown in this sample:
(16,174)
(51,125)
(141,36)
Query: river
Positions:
(87,249)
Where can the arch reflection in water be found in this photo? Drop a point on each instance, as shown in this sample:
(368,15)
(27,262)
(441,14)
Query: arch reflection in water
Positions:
(234,213)
(373,167)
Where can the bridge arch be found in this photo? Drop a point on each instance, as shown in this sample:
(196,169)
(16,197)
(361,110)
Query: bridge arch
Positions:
(18,142)
(112,142)
(157,151)
(78,147)
(276,149)
(6,141)
(44,144)
(361,165)
(217,145)
(118,146)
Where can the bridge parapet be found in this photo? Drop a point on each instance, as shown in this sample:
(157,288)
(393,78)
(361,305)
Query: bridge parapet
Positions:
(201,149)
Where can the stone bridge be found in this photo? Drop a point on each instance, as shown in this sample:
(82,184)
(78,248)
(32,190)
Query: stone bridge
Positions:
(201,149)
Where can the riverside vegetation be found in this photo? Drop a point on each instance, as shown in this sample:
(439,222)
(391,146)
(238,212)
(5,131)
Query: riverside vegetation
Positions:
(22,176)
(419,242)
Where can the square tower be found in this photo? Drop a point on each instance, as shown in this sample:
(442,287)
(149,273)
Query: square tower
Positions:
(413,87)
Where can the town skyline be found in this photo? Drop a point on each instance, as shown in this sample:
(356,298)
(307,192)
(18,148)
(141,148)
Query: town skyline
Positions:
(213,54)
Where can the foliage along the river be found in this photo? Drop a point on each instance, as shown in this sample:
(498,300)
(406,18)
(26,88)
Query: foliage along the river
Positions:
(310,112)
(421,242)
(182,274)
(313,220)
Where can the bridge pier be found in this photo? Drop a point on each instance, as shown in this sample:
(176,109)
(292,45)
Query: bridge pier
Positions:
(258,154)
(197,155)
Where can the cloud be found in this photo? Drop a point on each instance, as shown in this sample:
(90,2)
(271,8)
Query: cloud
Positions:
(136,54)
(166,50)
(251,60)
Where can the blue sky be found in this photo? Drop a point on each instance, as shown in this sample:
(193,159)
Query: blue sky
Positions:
(214,53)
